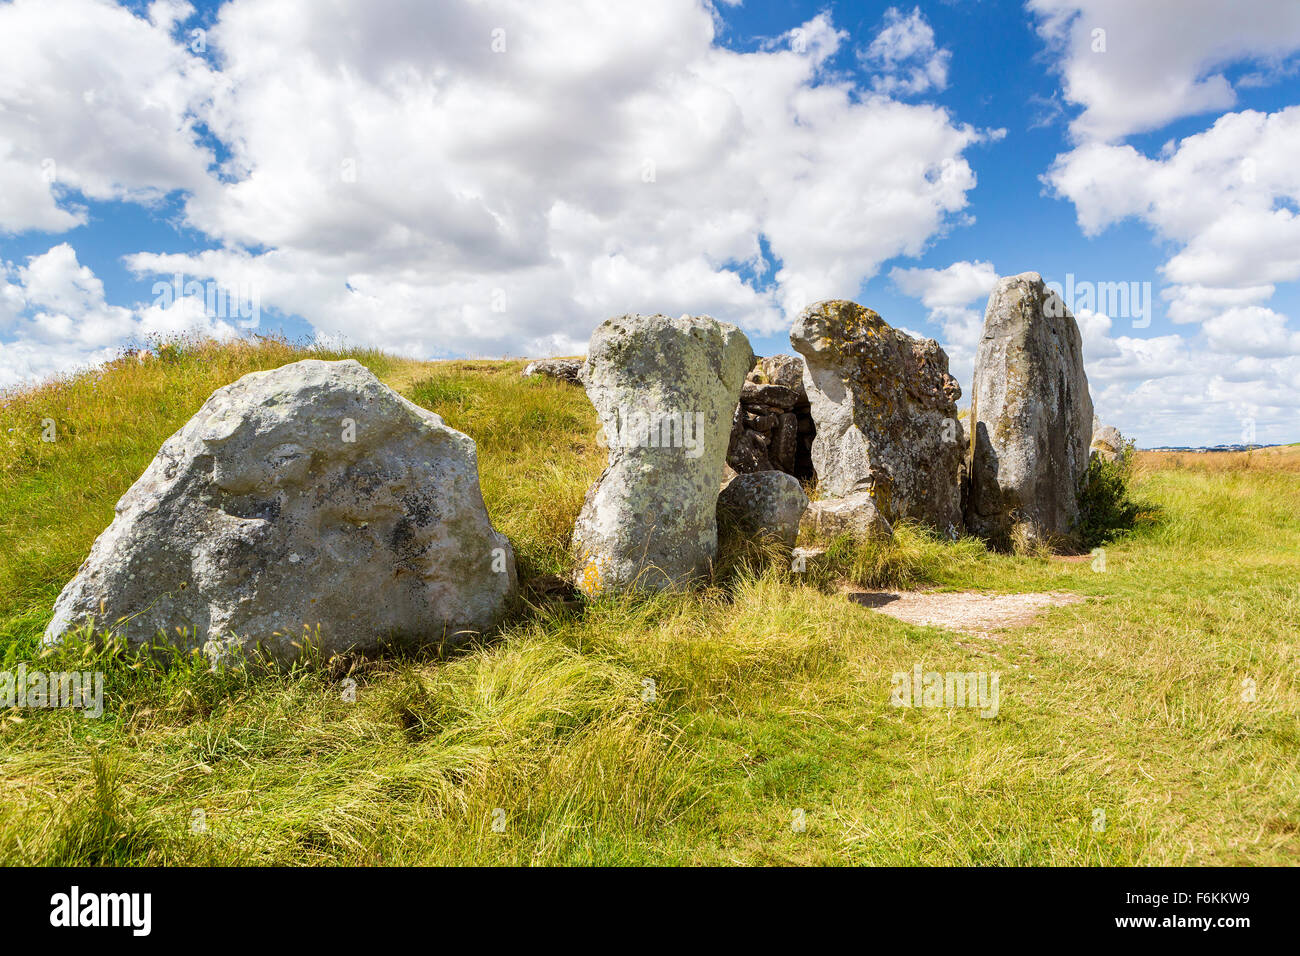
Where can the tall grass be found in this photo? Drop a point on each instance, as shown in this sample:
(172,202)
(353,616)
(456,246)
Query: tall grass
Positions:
(537,451)
(675,728)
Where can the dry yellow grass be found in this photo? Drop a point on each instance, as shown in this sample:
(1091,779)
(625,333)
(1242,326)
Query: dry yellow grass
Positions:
(1278,458)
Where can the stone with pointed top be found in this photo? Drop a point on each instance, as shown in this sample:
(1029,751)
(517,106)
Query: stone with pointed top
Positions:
(1031,417)
(885,412)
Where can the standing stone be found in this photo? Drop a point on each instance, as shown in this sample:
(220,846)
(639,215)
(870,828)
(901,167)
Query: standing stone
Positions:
(885,412)
(1107,442)
(765,503)
(785,442)
(307,499)
(1031,414)
(665,391)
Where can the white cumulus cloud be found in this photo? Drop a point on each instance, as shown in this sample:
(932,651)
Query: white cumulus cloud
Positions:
(1135,67)
(1224,201)
(94,103)
(904,56)
(487,177)
(54,318)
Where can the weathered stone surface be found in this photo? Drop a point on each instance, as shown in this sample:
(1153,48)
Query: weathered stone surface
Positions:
(785,442)
(1106,442)
(665,391)
(308,497)
(885,412)
(566,370)
(964,439)
(1032,416)
(777,396)
(761,438)
(854,514)
(784,370)
(749,453)
(765,503)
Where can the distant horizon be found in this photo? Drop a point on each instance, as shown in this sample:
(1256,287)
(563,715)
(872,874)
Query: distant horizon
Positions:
(1284,444)
(963,406)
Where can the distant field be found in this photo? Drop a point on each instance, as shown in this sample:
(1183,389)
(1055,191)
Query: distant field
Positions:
(1154,722)
(1274,458)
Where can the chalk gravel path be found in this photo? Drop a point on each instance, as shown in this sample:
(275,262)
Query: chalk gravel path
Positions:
(966,612)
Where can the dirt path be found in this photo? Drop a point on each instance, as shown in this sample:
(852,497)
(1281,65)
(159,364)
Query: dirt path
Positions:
(966,612)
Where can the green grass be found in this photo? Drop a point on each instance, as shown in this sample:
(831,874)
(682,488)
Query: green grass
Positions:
(669,729)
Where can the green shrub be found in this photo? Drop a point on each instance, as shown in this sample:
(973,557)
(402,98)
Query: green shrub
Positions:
(1107,508)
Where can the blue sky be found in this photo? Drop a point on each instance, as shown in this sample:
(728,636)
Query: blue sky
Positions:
(494,178)
(1000,77)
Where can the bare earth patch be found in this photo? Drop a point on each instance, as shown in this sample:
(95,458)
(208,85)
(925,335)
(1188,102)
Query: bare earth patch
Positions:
(966,612)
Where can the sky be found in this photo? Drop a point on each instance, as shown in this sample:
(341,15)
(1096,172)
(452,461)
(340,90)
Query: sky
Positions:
(496,177)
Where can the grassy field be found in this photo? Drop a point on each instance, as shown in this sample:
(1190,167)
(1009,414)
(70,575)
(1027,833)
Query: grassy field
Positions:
(1155,723)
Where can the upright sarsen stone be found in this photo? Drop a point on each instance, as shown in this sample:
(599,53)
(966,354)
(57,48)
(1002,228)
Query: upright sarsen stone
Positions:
(885,412)
(1031,416)
(307,500)
(665,391)
(1107,442)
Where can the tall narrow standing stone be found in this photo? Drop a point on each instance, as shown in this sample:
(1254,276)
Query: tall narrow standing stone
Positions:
(1031,416)
(886,414)
(665,390)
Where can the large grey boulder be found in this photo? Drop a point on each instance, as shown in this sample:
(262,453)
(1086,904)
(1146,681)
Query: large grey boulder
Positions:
(665,391)
(1031,415)
(885,411)
(308,499)
(767,503)
(855,515)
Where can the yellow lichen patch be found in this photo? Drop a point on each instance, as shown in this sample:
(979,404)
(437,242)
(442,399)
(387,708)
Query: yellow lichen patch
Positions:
(591,583)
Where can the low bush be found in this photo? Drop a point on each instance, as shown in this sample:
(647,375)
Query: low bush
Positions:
(1107,508)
